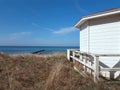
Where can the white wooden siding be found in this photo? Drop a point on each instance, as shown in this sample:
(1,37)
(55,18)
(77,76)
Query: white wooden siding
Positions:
(105,35)
(105,38)
(84,38)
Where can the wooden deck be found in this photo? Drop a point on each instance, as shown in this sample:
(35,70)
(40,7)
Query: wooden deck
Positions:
(90,63)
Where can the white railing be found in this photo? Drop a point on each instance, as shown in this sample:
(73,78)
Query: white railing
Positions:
(90,61)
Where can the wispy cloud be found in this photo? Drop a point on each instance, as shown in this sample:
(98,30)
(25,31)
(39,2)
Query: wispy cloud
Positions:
(64,30)
(35,24)
(78,6)
(19,35)
(59,31)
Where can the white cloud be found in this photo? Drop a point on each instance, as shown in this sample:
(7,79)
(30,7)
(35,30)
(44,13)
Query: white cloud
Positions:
(64,30)
(78,6)
(35,24)
(19,35)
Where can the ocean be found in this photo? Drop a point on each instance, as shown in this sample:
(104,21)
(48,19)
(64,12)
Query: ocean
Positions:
(30,49)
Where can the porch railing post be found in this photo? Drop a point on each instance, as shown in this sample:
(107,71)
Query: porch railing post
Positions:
(96,69)
(68,54)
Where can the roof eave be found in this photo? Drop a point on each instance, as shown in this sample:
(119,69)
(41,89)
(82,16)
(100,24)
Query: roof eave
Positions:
(93,17)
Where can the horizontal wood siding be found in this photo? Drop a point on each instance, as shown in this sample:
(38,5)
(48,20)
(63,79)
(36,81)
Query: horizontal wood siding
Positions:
(105,35)
(105,38)
(84,38)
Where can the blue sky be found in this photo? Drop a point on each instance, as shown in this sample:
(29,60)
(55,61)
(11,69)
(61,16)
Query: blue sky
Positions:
(46,22)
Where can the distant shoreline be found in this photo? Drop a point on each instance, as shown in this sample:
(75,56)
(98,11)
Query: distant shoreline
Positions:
(31,49)
(34,46)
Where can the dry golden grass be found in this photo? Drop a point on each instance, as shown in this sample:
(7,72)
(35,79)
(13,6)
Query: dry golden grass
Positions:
(45,72)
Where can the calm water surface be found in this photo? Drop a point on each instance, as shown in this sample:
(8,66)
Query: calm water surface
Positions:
(30,49)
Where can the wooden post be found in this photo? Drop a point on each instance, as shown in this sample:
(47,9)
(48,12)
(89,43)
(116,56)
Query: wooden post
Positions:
(96,69)
(81,59)
(73,54)
(84,62)
(68,54)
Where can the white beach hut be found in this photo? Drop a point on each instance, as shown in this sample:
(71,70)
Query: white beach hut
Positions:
(100,35)
(100,32)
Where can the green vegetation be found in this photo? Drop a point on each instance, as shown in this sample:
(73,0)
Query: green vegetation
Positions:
(45,72)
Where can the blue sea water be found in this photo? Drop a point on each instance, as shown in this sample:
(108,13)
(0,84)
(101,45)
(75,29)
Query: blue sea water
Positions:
(30,49)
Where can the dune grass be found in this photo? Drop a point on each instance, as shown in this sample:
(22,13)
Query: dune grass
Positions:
(45,72)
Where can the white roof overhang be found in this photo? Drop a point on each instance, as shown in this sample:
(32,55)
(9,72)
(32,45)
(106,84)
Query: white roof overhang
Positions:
(84,19)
